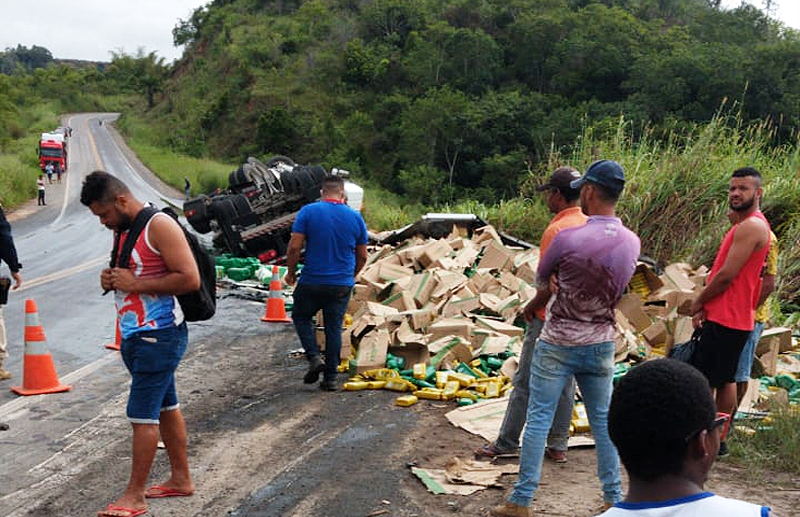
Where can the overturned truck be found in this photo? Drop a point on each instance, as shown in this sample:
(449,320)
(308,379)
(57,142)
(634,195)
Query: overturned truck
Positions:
(254,216)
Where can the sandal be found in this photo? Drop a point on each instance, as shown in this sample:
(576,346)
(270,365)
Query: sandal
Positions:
(488,451)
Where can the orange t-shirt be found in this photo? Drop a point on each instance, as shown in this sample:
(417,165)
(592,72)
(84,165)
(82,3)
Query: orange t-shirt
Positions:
(735,307)
(567,218)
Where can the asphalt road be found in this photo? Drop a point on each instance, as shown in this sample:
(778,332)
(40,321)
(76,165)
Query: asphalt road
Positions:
(261,442)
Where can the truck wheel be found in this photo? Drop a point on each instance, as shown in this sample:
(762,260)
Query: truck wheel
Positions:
(275,160)
(241,205)
(225,212)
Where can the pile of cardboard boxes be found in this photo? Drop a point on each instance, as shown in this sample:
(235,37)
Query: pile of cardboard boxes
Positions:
(448,301)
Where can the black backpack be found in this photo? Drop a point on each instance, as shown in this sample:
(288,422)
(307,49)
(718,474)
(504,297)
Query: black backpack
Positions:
(198,305)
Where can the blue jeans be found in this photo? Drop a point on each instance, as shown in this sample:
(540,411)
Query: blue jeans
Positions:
(514,419)
(552,366)
(332,300)
(749,350)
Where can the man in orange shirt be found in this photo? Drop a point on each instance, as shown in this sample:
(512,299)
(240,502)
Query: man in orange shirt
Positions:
(725,308)
(563,201)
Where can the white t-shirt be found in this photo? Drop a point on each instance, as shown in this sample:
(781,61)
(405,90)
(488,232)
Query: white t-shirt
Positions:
(704,504)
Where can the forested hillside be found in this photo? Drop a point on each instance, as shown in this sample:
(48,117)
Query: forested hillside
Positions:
(442,99)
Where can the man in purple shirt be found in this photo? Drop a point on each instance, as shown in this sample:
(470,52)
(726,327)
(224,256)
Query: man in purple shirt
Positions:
(591,265)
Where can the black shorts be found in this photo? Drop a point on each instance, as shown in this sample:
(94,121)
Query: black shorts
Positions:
(717,354)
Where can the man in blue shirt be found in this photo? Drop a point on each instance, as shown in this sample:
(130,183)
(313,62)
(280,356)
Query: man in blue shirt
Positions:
(335,240)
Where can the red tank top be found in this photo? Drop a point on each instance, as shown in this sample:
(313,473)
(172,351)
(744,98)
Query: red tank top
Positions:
(735,308)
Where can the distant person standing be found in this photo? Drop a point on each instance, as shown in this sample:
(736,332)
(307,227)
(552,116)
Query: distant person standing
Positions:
(335,240)
(187,187)
(8,253)
(40,188)
(761,317)
(58,173)
(48,169)
(563,201)
(725,309)
(592,265)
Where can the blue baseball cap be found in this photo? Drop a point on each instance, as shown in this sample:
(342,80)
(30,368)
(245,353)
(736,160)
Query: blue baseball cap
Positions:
(603,172)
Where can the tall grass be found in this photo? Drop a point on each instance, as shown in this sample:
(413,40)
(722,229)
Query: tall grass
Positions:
(774,446)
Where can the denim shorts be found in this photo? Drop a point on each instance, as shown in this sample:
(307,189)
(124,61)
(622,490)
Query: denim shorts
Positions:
(152,356)
(749,350)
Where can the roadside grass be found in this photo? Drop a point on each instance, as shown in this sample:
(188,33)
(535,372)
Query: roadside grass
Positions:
(773,445)
(203,174)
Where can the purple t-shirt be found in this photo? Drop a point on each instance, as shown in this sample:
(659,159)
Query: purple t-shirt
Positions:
(593,265)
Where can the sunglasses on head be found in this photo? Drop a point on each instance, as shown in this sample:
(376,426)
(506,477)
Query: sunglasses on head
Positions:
(719,421)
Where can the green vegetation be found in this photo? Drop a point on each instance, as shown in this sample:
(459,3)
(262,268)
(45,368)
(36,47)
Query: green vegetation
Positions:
(775,444)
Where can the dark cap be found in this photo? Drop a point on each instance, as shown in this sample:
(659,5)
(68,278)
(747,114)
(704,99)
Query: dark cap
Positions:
(560,179)
(603,172)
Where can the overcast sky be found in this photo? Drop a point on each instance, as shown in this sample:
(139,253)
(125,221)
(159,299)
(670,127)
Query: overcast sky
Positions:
(92,29)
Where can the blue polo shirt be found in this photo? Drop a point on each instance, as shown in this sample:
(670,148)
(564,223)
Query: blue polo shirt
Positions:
(332,231)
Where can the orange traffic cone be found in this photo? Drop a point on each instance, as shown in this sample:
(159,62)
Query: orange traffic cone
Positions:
(276,309)
(39,373)
(117,341)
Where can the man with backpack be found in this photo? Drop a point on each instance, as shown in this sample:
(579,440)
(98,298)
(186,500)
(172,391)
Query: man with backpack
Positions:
(153,329)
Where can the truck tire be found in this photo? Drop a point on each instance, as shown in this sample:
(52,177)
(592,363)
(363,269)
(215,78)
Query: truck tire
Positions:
(275,160)
(241,205)
(237,178)
(224,211)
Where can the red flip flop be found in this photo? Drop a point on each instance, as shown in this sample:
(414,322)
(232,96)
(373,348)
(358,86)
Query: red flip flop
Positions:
(162,491)
(120,511)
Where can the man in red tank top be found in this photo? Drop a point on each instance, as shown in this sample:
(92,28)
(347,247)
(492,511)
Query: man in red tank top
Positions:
(725,308)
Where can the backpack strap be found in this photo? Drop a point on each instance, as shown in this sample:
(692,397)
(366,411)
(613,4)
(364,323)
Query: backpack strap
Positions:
(123,257)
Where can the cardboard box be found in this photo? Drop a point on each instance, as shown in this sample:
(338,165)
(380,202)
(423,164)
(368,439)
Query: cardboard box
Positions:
(677,276)
(413,353)
(433,251)
(450,327)
(768,355)
(421,286)
(393,272)
(500,326)
(401,300)
(458,306)
(527,272)
(447,282)
(784,336)
(448,350)
(630,306)
(371,352)
(656,334)
(496,256)
(485,233)
(418,319)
